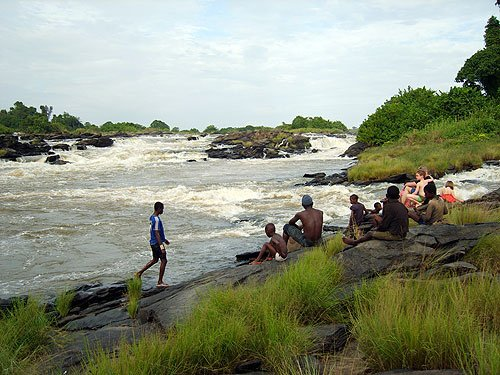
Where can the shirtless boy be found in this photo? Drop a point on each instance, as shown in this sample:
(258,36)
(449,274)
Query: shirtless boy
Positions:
(276,247)
(311,223)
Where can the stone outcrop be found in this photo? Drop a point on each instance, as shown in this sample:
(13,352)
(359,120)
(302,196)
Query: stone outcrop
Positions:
(258,145)
(355,150)
(98,316)
(11,147)
(97,141)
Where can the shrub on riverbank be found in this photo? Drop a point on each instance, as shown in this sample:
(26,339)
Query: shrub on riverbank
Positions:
(440,146)
(461,214)
(429,324)
(63,302)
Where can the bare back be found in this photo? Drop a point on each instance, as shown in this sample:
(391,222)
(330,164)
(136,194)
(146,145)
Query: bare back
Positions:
(312,220)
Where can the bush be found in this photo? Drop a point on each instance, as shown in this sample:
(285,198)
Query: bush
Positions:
(419,108)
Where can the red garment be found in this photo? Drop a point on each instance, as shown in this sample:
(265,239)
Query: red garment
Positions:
(449,198)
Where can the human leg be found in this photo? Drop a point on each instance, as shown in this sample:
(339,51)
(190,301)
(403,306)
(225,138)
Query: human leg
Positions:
(349,241)
(263,250)
(147,266)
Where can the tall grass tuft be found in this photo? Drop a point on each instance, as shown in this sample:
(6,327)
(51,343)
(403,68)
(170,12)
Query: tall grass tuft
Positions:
(133,296)
(25,330)
(231,325)
(429,324)
(63,302)
(333,245)
(486,254)
(472,214)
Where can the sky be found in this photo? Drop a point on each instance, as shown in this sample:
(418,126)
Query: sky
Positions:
(194,63)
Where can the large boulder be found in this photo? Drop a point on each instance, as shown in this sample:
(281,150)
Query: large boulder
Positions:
(257,145)
(443,241)
(98,141)
(12,148)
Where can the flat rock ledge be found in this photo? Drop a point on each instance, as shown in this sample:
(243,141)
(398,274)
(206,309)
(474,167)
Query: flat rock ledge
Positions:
(99,317)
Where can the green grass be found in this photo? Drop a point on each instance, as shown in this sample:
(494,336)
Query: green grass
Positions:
(25,331)
(486,254)
(231,325)
(461,214)
(63,302)
(429,324)
(133,296)
(440,146)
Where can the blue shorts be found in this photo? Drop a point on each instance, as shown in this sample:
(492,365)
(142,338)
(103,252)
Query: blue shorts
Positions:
(157,253)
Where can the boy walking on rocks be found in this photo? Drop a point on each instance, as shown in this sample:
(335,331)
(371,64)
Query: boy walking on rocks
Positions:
(157,240)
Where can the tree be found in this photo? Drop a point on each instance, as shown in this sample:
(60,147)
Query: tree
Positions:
(68,122)
(46,111)
(210,129)
(157,124)
(482,70)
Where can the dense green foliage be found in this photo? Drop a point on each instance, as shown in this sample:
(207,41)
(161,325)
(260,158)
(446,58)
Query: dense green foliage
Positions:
(482,70)
(158,124)
(314,123)
(109,127)
(441,145)
(416,108)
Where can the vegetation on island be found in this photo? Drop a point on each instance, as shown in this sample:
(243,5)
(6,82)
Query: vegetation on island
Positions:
(455,130)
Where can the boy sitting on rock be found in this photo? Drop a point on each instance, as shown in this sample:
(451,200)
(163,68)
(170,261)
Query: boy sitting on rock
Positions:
(276,247)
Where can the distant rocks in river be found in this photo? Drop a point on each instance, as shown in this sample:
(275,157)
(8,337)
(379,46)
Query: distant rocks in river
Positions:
(13,146)
(258,145)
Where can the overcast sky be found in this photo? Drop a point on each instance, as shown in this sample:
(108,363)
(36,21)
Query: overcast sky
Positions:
(231,63)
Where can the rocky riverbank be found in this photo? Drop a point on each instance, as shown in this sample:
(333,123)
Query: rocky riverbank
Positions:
(98,316)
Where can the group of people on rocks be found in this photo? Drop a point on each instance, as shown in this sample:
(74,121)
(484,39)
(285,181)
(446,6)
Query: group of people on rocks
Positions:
(418,200)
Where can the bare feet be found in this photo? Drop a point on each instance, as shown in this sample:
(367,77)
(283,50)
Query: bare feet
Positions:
(349,241)
(269,258)
(255,263)
(162,285)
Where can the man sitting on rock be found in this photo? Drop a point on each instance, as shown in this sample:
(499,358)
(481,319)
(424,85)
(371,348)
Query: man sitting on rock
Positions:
(394,223)
(311,220)
(433,209)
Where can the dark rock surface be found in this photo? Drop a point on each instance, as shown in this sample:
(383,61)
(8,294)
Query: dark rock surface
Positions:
(96,141)
(447,242)
(14,148)
(98,315)
(355,149)
(258,144)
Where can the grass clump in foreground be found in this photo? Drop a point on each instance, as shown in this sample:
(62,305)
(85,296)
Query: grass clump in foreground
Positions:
(486,254)
(25,330)
(237,324)
(133,296)
(429,324)
(63,302)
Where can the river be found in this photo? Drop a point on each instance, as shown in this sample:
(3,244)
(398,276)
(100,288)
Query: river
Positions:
(66,225)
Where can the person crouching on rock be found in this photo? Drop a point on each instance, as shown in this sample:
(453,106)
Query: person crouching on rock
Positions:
(394,223)
(157,240)
(276,247)
(309,234)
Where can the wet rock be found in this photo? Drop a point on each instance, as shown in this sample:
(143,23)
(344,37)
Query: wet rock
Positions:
(257,145)
(330,338)
(56,160)
(375,257)
(248,366)
(355,149)
(13,148)
(98,141)
(61,146)
(334,179)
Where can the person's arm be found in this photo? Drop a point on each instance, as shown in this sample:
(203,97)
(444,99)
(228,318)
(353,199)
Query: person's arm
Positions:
(159,241)
(294,220)
(428,213)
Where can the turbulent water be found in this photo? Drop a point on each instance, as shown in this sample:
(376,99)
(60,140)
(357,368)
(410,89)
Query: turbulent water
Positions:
(65,225)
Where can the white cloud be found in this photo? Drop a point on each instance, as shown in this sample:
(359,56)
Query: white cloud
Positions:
(230,63)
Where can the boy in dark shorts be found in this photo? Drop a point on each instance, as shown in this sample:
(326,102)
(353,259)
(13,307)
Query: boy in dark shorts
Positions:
(157,240)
